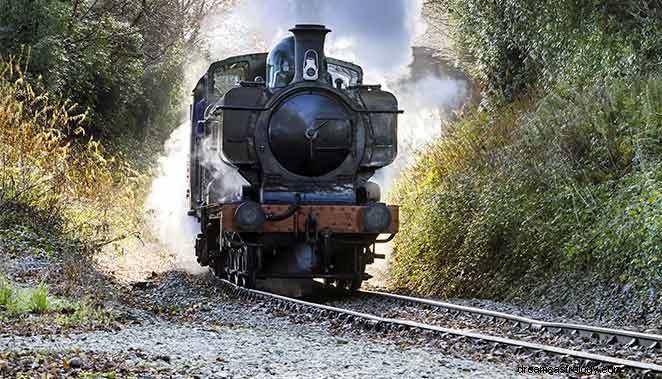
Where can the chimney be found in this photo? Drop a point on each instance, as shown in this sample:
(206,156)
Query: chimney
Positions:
(310,62)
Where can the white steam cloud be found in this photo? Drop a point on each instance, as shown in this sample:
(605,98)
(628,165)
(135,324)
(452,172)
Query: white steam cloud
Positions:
(227,182)
(426,102)
(375,33)
(167,204)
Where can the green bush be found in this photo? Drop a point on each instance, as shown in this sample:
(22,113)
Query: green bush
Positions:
(561,168)
(19,300)
(569,181)
(518,46)
(118,62)
(52,174)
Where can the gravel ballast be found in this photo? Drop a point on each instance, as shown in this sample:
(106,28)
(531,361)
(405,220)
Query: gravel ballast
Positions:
(185,327)
(283,351)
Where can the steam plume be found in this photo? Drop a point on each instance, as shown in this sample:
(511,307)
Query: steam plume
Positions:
(167,203)
(227,182)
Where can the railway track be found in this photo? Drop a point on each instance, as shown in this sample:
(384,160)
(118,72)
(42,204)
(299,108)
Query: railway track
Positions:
(604,335)
(381,324)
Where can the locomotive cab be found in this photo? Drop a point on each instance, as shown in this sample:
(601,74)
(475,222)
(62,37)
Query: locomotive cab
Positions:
(306,141)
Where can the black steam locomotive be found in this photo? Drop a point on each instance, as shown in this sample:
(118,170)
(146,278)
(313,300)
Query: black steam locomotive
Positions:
(306,135)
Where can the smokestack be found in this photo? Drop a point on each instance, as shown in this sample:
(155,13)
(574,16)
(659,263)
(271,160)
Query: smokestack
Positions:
(310,62)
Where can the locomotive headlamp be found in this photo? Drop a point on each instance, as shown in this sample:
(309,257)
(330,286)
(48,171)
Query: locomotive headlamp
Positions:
(310,65)
(376,218)
(249,216)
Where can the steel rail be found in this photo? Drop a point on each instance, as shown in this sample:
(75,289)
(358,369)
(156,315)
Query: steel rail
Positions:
(378,322)
(626,337)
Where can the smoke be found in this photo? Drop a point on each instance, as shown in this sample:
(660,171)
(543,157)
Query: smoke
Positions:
(167,203)
(227,182)
(375,34)
(427,101)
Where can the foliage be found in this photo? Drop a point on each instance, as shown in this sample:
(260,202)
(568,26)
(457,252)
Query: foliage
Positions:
(6,292)
(17,301)
(507,200)
(121,60)
(39,299)
(560,170)
(522,45)
(96,85)
(48,166)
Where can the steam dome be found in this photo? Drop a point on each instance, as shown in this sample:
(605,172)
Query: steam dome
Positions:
(280,64)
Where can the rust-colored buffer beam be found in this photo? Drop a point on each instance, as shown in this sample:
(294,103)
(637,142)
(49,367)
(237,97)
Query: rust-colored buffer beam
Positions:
(343,219)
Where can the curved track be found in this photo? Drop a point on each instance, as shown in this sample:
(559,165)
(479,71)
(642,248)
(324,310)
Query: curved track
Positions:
(385,324)
(606,335)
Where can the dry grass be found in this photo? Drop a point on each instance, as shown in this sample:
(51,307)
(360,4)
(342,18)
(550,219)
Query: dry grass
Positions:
(55,178)
(503,201)
(49,164)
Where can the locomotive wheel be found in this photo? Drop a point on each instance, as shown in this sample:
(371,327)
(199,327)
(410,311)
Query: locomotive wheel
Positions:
(355,284)
(218,268)
(249,280)
(234,267)
(342,284)
(349,285)
(239,266)
(247,267)
(219,271)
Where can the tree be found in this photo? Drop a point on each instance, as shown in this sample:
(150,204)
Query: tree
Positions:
(120,59)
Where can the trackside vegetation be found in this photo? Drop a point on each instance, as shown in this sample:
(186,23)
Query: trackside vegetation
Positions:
(559,169)
(119,60)
(89,90)
(60,189)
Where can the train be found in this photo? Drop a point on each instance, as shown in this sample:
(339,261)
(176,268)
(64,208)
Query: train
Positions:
(305,136)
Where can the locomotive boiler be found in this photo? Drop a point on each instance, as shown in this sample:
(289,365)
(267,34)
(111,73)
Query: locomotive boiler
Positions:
(305,135)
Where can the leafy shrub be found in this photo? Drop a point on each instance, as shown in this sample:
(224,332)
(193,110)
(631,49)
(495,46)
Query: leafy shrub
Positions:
(504,201)
(17,300)
(514,47)
(119,60)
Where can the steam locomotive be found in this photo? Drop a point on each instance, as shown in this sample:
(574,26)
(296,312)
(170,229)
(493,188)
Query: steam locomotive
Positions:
(305,135)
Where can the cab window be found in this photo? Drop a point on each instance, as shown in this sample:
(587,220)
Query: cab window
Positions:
(228,76)
(349,74)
